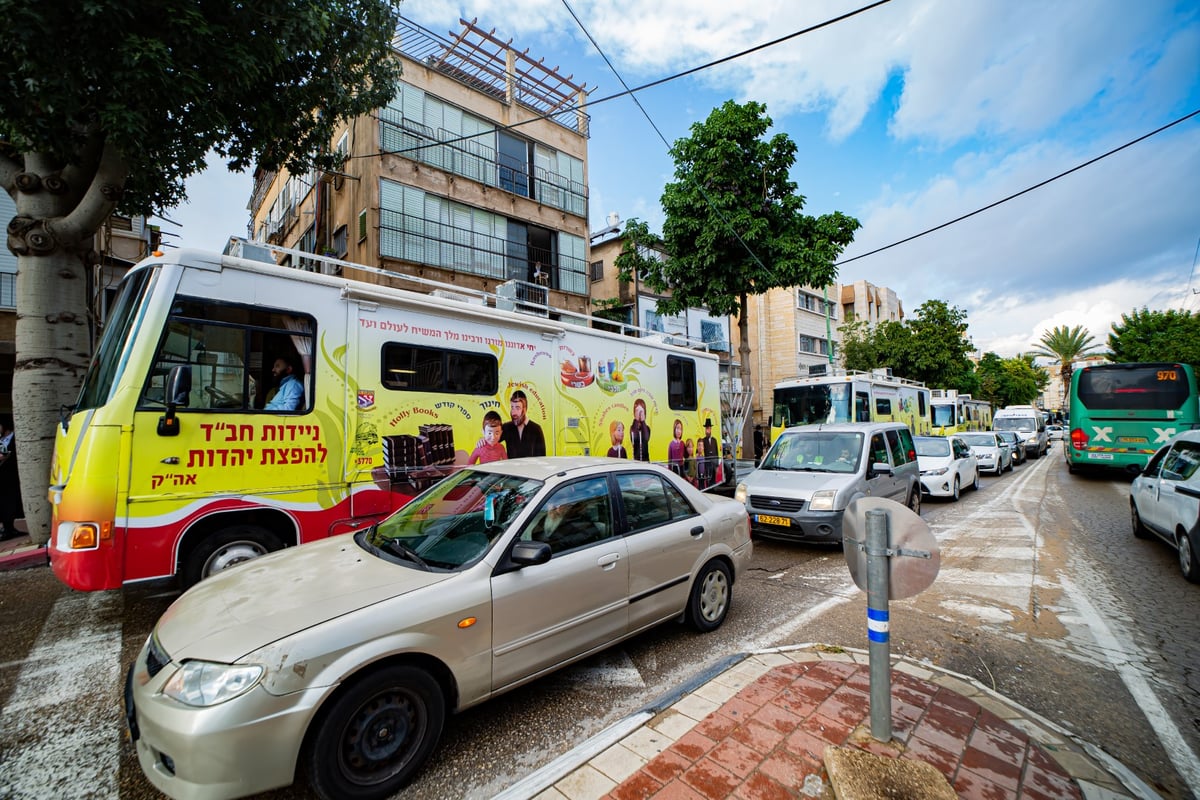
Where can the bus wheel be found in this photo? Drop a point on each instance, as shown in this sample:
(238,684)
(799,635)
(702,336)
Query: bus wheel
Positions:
(227,548)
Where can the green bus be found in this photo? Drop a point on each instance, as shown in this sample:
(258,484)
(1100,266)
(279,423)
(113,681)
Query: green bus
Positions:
(1120,414)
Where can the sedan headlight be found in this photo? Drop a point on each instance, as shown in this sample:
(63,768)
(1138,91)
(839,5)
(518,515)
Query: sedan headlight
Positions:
(940,471)
(205,683)
(822,500)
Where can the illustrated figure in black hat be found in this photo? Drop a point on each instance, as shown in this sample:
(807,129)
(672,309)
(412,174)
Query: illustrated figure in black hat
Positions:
(709,454)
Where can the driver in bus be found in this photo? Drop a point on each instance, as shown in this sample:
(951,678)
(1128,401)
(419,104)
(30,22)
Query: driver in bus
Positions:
(290,394)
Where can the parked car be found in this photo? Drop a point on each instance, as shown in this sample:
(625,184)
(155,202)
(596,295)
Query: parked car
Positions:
(947,465)
(1016,445)
(341,658)
(991,451)
(812,472)
(1164,500)
(1054,433)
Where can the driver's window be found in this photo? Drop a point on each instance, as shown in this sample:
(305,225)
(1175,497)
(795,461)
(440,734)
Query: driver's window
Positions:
(232,352)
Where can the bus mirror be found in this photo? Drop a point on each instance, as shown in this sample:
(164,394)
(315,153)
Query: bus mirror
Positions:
(178,392)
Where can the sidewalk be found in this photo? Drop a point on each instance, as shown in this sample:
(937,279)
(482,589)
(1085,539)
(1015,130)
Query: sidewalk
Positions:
(778,723)
(20,552)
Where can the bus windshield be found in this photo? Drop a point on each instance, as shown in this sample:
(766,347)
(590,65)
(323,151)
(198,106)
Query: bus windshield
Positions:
(806,405)
(111,356)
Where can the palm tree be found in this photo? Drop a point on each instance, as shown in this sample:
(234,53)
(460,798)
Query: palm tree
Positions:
(1066,344)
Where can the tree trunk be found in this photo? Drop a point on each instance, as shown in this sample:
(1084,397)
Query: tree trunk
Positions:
(60,206)
(53,347)
(747,385)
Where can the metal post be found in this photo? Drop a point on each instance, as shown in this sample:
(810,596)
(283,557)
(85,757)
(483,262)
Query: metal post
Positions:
(877,624)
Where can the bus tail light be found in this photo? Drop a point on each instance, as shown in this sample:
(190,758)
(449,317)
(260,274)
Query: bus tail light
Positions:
(88,535)
(1079,439)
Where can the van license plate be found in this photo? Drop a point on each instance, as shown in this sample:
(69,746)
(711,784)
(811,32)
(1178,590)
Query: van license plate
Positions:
(767,519)
(1100,456)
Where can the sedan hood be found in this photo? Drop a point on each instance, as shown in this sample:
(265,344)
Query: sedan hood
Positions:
(789,483)
(240,610)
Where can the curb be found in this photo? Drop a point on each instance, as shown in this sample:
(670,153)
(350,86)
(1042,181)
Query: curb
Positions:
(23,557)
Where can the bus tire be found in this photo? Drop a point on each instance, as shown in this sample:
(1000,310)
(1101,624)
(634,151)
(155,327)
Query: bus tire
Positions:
(226,548)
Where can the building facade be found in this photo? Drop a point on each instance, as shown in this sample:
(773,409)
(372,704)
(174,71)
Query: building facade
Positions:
(473,175)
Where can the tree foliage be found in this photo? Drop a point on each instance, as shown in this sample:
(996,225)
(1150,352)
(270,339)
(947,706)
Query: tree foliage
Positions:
(1009,381)
(1144,335)
(113,104)
(932,347)
(1066,345)
(734,223)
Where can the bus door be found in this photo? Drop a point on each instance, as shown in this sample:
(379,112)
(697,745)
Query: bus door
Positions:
(862,406)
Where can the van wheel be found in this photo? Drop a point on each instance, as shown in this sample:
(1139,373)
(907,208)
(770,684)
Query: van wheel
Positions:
(914,500)
(376,734)
(711,594)
(1189,565)
(227,548)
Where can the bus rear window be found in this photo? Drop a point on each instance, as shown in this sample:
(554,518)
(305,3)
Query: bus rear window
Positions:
(1142,388)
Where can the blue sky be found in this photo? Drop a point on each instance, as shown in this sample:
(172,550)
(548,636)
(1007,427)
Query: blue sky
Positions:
(906,116)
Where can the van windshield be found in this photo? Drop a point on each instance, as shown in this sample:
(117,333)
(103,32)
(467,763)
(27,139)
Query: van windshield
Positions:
(1024,424)
(815,451)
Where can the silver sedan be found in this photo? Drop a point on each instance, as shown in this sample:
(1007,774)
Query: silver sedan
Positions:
(342,658)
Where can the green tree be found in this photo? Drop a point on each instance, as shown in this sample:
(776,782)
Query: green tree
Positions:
(931,348)
(1009,381)
(734,223)
(1065,345)
(1144,335)
(112,104)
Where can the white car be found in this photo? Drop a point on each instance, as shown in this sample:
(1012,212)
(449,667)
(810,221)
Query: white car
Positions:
(947,465)
(341,659)
(992,453)
(1054,433)
(1164,500)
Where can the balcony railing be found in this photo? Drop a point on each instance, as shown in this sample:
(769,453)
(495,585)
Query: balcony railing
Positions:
(440,244)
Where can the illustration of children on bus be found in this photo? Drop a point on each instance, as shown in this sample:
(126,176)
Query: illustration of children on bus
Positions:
(616,431)
(489,447)
(639,432)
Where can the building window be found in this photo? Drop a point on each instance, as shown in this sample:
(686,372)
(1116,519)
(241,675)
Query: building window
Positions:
(597,269)
(806,301)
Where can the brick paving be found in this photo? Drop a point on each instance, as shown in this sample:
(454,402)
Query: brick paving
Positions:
(759,729)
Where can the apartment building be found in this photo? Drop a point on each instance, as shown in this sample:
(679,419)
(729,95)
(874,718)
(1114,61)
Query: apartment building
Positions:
(474,175)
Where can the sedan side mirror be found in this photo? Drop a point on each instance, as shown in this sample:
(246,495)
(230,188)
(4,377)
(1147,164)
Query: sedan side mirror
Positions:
(530,553)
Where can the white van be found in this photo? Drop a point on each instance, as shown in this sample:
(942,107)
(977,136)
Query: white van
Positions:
(1029,423)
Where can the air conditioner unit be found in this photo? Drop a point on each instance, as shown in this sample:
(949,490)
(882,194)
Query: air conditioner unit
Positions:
(457,297)
(522,296)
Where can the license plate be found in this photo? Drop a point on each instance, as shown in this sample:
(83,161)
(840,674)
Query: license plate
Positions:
(1100,456)
(767,519)
(1138,439)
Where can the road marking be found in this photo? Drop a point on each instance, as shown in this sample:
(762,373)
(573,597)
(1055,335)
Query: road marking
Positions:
(1114,641)
(64,730)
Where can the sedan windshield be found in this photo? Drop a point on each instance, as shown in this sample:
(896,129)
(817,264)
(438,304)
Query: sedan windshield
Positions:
(454,523)
(932,446)
(979,439)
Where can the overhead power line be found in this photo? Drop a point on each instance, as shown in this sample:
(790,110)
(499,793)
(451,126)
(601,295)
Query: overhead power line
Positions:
(1015,195)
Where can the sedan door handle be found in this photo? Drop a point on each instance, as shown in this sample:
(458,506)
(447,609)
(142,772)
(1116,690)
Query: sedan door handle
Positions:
(608,561)
(696,531)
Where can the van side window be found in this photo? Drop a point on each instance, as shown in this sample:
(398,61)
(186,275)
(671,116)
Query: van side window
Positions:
(899,455)
(879,454)
(1181,463)
(230,350)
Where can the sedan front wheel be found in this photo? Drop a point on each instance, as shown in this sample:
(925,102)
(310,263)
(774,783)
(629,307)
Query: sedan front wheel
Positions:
(376,735)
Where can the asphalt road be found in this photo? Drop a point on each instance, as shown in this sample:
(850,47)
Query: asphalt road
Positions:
(1043,594)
